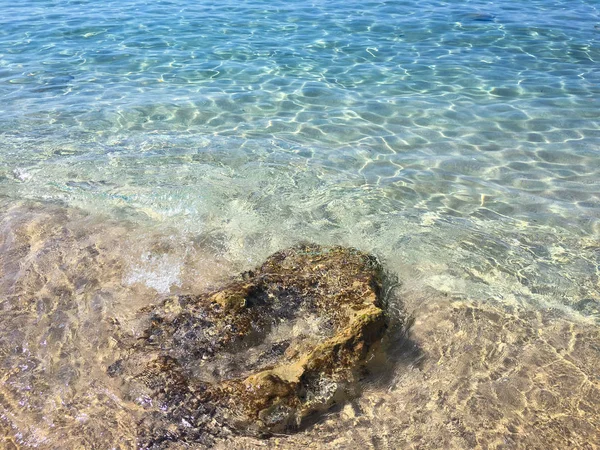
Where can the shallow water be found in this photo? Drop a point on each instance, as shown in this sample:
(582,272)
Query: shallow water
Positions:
(149,148)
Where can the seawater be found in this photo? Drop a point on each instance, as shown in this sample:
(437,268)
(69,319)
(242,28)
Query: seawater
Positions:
(153,148)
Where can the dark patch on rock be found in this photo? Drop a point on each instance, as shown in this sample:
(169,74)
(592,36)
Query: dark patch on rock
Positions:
(115,368)
(263,353)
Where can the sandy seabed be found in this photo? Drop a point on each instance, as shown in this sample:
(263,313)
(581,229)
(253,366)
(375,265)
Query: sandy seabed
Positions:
(470,375)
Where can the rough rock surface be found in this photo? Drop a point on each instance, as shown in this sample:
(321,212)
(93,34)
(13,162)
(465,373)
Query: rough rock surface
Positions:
(261,354)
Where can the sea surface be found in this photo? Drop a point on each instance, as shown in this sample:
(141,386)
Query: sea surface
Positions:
(151,148)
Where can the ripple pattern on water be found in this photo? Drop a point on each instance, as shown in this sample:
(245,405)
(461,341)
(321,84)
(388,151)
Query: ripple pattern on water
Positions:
(457,141)
(490,100)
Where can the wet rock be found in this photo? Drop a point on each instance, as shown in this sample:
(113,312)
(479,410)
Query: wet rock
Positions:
(260,355)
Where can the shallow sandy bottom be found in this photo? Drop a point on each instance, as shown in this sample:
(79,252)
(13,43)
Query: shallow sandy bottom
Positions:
(470,375)
(478,377)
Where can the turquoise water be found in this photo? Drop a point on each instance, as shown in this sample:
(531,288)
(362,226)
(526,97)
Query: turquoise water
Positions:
(257,124)
(458,141)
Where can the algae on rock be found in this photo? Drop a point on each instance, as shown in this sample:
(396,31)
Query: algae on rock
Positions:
(262,353)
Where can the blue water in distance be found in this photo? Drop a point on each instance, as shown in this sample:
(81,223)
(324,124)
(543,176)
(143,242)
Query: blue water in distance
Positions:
(460,135)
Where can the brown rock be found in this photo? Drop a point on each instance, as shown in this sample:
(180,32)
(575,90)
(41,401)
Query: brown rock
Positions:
(262,353)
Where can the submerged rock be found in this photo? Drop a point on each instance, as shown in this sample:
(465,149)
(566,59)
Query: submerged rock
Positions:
(261,354)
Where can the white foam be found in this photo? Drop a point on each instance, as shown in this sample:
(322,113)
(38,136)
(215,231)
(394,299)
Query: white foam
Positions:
(21,174)
(158,272)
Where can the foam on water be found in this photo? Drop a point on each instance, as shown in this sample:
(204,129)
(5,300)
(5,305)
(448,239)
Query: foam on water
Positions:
(149,148)
(157,272)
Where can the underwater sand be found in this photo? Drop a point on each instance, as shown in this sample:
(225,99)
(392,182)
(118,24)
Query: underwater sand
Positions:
(470,374)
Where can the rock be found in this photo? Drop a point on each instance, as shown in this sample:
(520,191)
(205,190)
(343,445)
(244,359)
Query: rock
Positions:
(261,354)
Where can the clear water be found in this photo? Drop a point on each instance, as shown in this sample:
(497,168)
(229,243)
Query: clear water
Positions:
(458,141)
